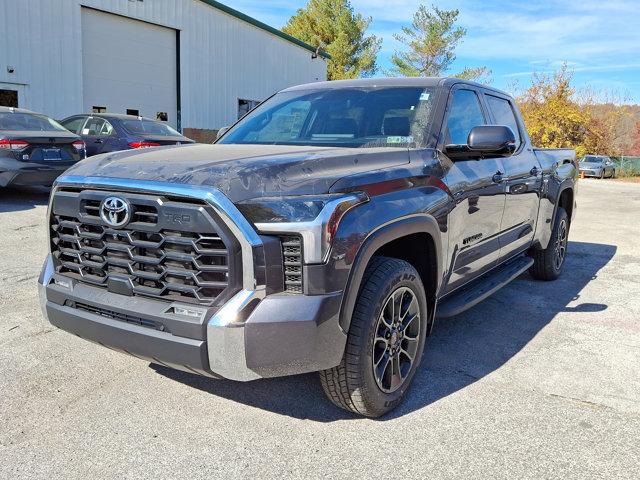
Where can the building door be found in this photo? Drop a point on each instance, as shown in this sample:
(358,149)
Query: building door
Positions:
(128,64)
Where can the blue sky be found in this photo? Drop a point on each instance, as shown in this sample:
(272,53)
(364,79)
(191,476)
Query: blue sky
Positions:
(599,40)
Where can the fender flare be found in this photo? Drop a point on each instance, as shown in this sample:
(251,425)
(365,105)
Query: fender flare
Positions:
(420,223)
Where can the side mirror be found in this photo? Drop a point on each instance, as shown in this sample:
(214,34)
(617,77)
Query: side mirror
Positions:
(221,132)
(497,140)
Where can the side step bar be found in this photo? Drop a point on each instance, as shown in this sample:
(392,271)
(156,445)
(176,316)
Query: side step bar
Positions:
(470,295)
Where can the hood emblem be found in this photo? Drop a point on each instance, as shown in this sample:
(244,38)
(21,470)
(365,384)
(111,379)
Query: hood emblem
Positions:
(115,211)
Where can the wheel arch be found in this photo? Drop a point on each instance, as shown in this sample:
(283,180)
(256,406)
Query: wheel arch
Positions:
(404,239)
(566,201)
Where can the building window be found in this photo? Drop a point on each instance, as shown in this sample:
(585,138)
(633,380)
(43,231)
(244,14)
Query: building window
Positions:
(9,98)
(133,111)
(245,106)
(95,109)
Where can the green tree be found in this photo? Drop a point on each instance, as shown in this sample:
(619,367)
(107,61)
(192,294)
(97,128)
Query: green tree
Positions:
(431,41)
(334,27)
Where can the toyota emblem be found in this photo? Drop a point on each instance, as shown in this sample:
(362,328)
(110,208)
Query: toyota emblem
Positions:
(115,211)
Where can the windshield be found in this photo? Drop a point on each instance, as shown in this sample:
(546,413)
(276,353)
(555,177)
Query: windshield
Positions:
(149,127)
(28,122)
(345,117)
(592,159)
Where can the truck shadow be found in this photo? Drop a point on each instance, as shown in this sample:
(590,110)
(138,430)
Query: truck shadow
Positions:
(461,350)
(23,198)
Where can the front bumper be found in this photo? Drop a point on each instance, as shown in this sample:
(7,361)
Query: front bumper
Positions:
(252,336)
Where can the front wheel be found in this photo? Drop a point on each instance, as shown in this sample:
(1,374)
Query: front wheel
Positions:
(613,173)
(547,263)
(385,341)
(601,174)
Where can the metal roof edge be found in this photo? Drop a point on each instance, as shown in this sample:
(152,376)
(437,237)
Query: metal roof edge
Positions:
(264,26)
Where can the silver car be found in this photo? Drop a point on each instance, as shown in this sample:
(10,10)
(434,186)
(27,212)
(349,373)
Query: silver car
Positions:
(597,166)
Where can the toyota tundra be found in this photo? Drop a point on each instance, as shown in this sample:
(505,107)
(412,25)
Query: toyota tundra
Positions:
(325,231)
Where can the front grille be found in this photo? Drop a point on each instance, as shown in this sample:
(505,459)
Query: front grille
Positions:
(152,255)
(292,256)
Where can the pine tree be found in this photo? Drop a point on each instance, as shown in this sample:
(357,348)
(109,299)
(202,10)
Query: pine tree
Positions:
(334,27)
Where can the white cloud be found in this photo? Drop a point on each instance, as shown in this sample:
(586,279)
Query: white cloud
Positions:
(513,37)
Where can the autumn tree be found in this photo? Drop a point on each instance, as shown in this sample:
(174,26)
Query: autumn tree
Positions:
(333,26)
(430,44)
(635,149)
(552,116)
(558,116)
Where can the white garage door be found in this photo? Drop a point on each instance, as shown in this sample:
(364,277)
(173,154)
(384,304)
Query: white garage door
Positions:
(128,65)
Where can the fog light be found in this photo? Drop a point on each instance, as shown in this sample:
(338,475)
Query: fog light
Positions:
(187,311)
(62,282)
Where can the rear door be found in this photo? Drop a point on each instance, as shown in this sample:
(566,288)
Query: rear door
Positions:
(522,178)
(474,222)
(95,133)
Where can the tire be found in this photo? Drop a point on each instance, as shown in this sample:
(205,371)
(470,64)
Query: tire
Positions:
(356,384)
(613,173)
(548,263)
(601,174)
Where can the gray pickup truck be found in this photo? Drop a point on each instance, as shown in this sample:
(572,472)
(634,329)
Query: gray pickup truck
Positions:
(324,231)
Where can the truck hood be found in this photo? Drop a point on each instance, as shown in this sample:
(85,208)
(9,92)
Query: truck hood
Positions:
(243,171)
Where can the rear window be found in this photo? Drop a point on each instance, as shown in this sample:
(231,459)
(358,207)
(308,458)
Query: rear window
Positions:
(503,114)
(28,122)
(149,127)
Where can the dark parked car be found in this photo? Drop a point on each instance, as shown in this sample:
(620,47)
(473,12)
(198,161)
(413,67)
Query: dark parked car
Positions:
(34,149)
(110,132)
(325,231)
(597,166)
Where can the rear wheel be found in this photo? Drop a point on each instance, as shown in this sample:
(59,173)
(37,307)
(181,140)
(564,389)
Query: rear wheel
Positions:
(385,342)
(547,263)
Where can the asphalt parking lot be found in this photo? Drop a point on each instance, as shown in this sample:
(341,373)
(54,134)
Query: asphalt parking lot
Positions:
(542,380)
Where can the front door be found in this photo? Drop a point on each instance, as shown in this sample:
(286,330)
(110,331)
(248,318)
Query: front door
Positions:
(478,190)
(523,180)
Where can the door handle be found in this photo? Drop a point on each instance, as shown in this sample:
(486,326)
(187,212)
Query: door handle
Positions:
(497,177)
(534,171)
(98,141)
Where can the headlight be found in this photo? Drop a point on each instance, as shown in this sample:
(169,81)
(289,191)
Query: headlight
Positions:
(314,217)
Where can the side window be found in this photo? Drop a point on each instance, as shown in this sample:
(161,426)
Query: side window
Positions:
(74,124)
(94,127)
(503,113)
(245,106)
(107,129)
(465,114)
